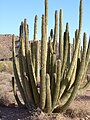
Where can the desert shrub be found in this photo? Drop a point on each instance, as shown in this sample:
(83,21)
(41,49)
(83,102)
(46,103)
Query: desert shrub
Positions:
(6,66)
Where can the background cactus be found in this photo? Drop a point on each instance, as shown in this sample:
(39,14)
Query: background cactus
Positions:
(60,76)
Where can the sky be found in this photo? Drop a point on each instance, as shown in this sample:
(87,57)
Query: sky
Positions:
(12,12)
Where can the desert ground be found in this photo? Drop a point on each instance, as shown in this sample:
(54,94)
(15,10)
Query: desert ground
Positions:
(78,110)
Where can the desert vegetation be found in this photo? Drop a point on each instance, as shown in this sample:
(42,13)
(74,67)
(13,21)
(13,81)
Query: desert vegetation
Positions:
(47,77)
(60,76)
(6,66)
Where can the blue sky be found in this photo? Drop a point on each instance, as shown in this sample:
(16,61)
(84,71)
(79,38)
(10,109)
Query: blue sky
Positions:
(12,12)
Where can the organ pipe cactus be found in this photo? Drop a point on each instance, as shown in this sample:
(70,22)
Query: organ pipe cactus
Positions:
(60,74)
(60,37)
(34,46)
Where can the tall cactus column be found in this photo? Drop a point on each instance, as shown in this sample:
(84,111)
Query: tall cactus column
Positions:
(60,36)
(44,56)
(35,50)
(54,47)
(46,18)
(43,66)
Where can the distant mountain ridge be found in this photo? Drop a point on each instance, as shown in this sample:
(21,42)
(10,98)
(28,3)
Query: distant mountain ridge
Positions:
(6,46)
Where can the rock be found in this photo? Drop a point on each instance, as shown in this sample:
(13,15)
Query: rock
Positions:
(6,46)
(6,93)
(60,117)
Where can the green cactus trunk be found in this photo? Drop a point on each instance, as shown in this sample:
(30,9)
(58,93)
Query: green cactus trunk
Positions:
(43,65)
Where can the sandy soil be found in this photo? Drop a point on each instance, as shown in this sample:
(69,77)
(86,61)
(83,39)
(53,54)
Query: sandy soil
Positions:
(78,110)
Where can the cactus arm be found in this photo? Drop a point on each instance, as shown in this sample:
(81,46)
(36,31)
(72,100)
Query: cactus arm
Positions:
(87,55)
(50,41)
(55,32)
(66,96)
(49,56)
(38,62)
(34,44)
(79,52)
(15,93)
(76,36)
(72,96)
(55,78)
(48,94)
(87,60)
(84,48)
(86,86)
(34,87)
(22,66)
(50,47)
(69,54)
(77,44)
(34,56)
(53,57)
(77,82)
(30,66)
(64,81)
(53,68)
(44,56)
(80,17)
(23,71)
(78,77)
(16,71)
(43,66)
(46,18)
(57,85)
(73,45)
(35,28)
(28,91)
(71,83)
(60,37)
(75,72)
(72,80)
(65,49)
(51,33)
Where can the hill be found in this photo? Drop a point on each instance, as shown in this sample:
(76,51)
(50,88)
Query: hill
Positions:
(6,46)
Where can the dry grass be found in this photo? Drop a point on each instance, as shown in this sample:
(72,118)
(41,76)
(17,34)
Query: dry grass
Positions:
(6,66)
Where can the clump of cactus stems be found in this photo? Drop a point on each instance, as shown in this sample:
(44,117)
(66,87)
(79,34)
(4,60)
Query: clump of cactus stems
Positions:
(60,75)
